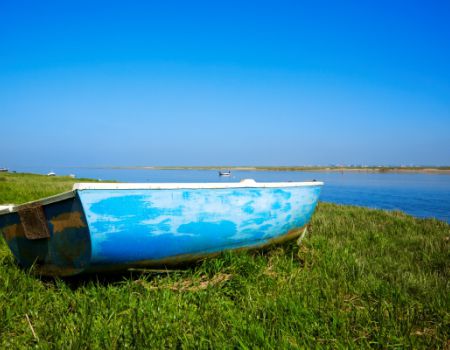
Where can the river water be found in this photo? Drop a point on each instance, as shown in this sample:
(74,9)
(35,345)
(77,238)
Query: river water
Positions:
(420,195)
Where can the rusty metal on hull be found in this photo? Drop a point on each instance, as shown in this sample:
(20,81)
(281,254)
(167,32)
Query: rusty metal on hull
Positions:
(66,221)
(13,231)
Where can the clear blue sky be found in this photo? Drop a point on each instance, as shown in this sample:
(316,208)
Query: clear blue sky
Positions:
(224,82)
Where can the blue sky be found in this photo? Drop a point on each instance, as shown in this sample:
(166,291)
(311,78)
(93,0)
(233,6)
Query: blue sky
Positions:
(224,82)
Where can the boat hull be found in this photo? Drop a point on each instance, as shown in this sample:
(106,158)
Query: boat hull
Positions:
(114,229)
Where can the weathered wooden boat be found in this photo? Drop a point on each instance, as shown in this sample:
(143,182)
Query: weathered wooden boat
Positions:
(115,226)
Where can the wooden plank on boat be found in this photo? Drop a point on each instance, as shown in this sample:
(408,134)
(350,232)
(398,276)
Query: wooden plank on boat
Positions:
(33,221)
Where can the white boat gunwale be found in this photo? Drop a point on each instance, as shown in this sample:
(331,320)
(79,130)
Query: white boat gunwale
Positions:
(11,208)
(81,186)
(196,185)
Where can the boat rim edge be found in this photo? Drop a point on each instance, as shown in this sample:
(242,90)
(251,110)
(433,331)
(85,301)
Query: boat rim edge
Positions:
(196,185)
(11,208)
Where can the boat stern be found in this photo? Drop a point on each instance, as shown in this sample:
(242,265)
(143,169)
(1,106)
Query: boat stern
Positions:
(50,235)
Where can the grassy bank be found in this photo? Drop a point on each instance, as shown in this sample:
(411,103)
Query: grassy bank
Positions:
(21,188)
(361,278)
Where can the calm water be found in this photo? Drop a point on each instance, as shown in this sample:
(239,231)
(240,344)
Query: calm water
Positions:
(421,195)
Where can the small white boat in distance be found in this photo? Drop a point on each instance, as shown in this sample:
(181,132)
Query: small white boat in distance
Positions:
(225,173)
(51,173)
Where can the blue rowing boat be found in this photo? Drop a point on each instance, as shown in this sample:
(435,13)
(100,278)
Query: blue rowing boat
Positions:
(100,227)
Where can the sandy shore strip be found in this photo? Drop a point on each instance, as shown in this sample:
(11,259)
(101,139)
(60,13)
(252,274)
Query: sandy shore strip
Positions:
(424,170)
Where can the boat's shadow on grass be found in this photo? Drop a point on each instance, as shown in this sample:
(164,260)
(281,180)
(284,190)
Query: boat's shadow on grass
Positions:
(242,263)
(114,278)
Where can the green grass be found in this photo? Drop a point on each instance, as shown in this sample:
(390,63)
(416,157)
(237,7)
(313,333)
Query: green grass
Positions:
(21,188)
(361,278)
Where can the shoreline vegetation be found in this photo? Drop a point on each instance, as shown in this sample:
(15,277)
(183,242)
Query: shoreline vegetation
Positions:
(360,278)
(368,169)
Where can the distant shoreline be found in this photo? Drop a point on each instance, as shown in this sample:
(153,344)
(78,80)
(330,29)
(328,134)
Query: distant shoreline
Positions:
(423,170)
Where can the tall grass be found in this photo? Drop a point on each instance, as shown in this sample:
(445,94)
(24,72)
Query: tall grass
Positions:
(361,278)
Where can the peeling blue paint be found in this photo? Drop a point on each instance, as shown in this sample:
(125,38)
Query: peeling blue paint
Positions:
(276,206)
(287,207)
(248,208)
(214,228)
(283,193)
